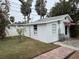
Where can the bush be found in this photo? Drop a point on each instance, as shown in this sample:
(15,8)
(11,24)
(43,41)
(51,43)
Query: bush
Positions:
(20,32)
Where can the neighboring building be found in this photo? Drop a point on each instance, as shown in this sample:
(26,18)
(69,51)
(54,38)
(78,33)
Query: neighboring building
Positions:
(46,30)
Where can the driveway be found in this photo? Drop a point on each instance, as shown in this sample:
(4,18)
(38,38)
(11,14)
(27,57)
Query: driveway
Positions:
(75,55)
(67,48)
(58,53)
(71,43)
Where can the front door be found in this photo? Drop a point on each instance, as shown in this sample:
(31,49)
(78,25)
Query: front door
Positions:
(66,30)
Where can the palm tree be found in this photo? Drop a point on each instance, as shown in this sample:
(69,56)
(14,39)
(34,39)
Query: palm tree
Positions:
(40,8)
(26,9)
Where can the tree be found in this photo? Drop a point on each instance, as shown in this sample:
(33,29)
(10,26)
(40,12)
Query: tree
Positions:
(64,7)
(3,24)
(26,9)
(40,8)
(74,1)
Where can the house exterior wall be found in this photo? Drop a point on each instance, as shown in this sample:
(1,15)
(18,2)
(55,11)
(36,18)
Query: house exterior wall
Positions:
(13,31)
(51,35)
(44,33)
(68,27)
(27,31)
(62,29)
(41,32)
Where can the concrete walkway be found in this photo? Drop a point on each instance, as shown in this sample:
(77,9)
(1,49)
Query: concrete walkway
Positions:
(75,55)
(66,45)
(58,53)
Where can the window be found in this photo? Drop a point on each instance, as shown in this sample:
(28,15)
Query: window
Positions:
(54,28)
(35,29)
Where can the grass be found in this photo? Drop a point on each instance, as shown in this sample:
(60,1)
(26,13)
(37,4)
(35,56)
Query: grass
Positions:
(11,48)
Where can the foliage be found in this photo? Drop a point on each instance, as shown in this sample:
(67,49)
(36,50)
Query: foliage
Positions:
(26,9)
(3,23)
(61,8)
(40,8)
(74,1)
(20,32)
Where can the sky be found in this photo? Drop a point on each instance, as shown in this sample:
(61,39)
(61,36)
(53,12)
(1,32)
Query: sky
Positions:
(15,6)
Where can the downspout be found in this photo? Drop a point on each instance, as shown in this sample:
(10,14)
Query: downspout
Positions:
(59,29)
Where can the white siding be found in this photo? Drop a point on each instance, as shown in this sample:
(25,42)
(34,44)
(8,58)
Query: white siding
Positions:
(41,32)
(44,33)
(52,37)
(12,31)
(27,33)
(62,27)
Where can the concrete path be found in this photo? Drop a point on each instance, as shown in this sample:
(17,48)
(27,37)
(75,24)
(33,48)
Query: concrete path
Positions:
(75,55)
(66,45)
(58,53)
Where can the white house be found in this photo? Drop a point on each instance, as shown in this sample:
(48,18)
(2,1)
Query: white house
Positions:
(47,30)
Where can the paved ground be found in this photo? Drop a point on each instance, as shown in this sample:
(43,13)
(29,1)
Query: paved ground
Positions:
(67,48)
(72,43)
(74,56)
(58,53)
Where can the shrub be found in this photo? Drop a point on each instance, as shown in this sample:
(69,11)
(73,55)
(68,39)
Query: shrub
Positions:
(20,32)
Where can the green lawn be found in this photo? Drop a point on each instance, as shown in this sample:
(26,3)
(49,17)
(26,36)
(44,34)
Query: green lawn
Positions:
(11,48)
